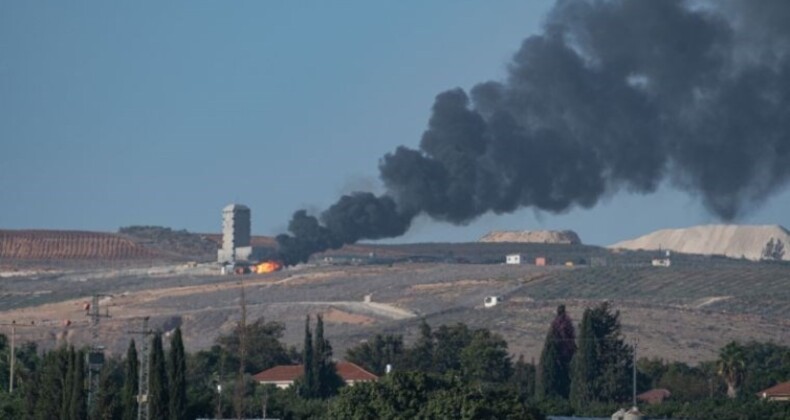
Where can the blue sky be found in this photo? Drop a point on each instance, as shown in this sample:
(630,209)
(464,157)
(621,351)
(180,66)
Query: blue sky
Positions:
(161,113)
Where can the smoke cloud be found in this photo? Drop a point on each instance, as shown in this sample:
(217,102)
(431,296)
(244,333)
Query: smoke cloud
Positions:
(614,94)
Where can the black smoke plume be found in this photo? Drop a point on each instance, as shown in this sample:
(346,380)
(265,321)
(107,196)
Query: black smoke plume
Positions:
(614,94)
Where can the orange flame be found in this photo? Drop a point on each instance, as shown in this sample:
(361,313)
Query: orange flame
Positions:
(268,267)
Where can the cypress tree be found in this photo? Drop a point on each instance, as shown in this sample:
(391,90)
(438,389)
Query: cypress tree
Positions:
(130,383)
(107,405)
(601,369)
(308,384)
(158,396)
(327,381)
(68,385)
(548,384)
(523,379)
(52,379)
(178,379)
(555,359)
(78,407)
(421,354)
(584,368)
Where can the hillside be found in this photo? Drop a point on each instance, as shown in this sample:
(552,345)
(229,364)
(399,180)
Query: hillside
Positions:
(567,237)
(135,244)
(71,245)
(684,312)
(735,241)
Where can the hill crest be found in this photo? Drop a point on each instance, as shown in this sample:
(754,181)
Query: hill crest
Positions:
(735,241)
(533,236)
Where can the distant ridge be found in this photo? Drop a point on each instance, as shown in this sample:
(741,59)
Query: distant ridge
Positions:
(736,241)
(71,245)
(568,237)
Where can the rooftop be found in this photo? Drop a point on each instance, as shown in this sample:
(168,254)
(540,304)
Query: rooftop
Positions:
(347,370)
(778,390)
(235,207)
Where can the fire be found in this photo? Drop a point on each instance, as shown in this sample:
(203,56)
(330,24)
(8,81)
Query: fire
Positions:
(268,267)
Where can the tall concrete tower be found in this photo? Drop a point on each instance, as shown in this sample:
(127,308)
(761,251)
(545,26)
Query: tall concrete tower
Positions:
(235,226)
(235,235)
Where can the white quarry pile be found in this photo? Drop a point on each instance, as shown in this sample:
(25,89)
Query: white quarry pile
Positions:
(533,236)
(734,241)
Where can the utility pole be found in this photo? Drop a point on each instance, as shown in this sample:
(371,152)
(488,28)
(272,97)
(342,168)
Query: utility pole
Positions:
(12,356)
(142,393)
(239,391)
(95,357)
(636,343)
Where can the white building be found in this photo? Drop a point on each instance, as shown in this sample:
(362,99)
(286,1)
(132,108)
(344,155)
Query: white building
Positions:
(236,222)
(514,259)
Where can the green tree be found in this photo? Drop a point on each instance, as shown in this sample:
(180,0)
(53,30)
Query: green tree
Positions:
(558,349)
(308,382)
(78,407)
(407,395)
(52,381)
(774,250)
(130,383)
(326,377)
(263,347)
(523,379)
(585,364)
(68,384)
(731,366)
(158,395)
(107,405)
(420,356)
(374,355)
(486,359)
(178,380)
(449,343)
(601,367)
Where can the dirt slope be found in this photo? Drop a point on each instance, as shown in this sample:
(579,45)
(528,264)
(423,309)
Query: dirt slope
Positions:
(534,236)
(734,241)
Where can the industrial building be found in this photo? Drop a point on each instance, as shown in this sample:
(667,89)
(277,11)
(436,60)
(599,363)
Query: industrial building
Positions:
(236,246)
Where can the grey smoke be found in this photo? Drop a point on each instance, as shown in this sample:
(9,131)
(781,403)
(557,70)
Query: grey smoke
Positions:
(617,94)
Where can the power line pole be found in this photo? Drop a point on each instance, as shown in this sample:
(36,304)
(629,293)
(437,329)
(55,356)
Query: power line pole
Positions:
(636,343)
(239,391)
(142,386)
(95,357)
(12,356)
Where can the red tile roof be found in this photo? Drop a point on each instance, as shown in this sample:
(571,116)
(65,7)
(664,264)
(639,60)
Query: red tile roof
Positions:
(284,373)
(351,372)
(654,396)
(778,390)
(280,373)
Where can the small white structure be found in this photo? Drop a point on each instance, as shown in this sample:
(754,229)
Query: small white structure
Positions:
(491,301)
(661,262)
(514,259)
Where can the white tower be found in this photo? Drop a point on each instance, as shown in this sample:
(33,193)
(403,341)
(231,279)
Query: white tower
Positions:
(235,234)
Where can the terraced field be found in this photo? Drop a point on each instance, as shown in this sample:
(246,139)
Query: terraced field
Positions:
(71,245)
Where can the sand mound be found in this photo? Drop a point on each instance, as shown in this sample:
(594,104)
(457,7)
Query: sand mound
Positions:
(734,241)
(534,236)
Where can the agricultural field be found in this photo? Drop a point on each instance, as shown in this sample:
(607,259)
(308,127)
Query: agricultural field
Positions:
(41,245)
(684,312)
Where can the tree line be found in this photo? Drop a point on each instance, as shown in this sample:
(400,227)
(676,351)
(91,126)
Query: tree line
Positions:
(447,371)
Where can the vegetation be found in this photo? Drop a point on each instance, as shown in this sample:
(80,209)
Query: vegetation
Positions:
(555,359)
(774,250)
(450,371)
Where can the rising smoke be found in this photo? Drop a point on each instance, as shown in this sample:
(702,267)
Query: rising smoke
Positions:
(615,94)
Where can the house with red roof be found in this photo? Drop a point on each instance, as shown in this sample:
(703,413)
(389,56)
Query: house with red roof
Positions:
(654,396)
(284,376)
(778,392)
